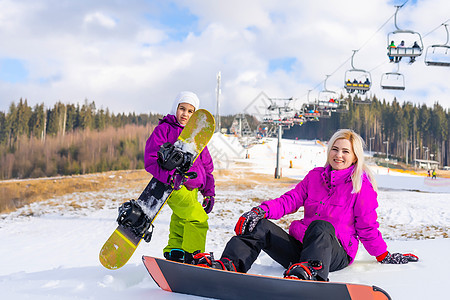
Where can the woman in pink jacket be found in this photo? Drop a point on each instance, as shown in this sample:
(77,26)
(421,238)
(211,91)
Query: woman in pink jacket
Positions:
(339,201)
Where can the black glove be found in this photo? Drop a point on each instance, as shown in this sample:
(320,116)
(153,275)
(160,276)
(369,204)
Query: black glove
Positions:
(399,258)
(249,219)
(208,204)
(178,179)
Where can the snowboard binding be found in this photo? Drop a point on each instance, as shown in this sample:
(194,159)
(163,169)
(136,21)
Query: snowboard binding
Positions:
(307,270)
(171,157)
(131,216)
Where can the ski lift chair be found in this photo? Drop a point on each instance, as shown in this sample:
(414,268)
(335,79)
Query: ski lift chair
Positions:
(438,55)
(327,99)
(343,106)
(357,80)
(392,81)
(299,118)
(325,113)
(362,78)
(409,37)
(329,102)
(310,112)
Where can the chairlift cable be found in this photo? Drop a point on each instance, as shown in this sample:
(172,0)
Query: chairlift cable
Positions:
(381,27)
(332,73)
(381,64)
(443,23)
(365,43)
(400,6)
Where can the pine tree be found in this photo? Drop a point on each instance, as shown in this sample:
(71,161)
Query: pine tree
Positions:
(37,122)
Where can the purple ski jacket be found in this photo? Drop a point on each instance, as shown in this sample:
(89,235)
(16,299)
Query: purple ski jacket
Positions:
(168,130)
(327,195)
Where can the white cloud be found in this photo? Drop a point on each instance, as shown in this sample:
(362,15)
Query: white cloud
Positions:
(113,54)
(100,19)
(149,36)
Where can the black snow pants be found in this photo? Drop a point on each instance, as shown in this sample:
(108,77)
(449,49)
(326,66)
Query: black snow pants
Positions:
(320,243)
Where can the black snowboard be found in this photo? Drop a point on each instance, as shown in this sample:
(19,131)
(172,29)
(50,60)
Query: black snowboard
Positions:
(206,282)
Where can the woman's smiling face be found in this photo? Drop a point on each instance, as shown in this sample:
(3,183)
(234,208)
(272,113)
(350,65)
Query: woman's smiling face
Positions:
(341,155)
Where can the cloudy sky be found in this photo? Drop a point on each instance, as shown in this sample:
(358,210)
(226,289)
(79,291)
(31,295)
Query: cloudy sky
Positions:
(137,55)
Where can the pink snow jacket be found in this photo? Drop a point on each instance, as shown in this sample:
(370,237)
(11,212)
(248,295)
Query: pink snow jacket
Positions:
(327,195)
(168,130)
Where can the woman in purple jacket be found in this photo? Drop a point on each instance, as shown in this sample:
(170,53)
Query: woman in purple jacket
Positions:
(189,221)
(339,201)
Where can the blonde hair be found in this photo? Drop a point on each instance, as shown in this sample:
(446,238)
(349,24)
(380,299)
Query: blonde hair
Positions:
(358,149)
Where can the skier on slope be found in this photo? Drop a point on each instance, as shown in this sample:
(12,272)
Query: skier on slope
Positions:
(189,221)
(339,201)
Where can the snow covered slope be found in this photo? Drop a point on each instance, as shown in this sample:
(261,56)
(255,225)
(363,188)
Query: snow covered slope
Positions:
(51,252)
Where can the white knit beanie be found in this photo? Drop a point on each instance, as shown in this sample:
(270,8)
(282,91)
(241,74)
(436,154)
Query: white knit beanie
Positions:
(185,97)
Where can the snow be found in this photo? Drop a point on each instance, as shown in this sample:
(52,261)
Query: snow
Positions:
(51,252)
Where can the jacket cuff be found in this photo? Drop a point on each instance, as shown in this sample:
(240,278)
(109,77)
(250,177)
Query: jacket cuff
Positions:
(382,256)
(265,208)
(208,194)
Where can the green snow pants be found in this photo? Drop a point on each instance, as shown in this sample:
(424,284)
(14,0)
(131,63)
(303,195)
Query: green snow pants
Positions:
(189,222)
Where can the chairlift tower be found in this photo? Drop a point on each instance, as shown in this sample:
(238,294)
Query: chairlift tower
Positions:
(282,113)
(240,126)
(218,92)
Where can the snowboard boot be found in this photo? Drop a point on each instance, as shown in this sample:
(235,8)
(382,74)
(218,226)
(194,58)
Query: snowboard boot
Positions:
(180,255)
(206,260)
(304,271)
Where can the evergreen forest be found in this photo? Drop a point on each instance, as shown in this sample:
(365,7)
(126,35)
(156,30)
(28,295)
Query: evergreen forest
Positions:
(69,139)
(400,130)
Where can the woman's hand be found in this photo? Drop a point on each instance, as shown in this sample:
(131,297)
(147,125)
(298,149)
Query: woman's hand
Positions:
(397,258)
(249,219)
(208,203)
